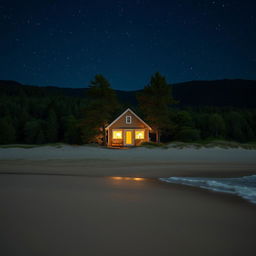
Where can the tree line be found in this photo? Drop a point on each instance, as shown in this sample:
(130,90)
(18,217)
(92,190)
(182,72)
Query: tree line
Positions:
(37,119)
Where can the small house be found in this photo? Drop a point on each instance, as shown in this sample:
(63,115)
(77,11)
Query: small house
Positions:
(128,129)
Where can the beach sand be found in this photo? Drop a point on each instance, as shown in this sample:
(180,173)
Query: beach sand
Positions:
(93,215)
(140,162)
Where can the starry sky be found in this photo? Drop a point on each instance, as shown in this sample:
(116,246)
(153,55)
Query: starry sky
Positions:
(65,43)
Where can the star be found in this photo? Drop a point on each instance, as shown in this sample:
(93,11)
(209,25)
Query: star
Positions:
(111,33)
(127,34)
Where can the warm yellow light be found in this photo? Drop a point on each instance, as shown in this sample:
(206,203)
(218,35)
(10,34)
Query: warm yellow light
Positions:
(117,178)
(117,135)
(139,135)
(128,178)
(138,179)
(128,137)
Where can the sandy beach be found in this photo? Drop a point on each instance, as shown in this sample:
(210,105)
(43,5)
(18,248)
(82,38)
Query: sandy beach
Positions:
(136,162)
(86,208)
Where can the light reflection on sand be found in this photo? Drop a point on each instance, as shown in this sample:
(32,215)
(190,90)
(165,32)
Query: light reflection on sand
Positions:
(128,178)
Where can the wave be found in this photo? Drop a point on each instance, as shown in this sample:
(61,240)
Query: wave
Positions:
(244,187)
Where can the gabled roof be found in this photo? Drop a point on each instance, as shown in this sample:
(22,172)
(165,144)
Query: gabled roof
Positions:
(128,109)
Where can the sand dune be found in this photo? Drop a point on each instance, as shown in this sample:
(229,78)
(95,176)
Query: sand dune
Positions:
(134,154)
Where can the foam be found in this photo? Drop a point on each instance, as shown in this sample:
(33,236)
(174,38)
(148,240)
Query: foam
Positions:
(244,187)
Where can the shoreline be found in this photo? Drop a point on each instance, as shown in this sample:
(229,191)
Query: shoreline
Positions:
(144,169)
(220,195)
(157,182)
(147,216)
(179,173)
(136,162)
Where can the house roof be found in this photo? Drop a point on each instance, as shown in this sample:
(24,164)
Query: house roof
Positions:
(128,109)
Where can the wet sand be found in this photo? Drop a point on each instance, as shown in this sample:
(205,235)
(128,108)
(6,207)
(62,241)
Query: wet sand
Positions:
(66,202)
(63,215)
(125,168)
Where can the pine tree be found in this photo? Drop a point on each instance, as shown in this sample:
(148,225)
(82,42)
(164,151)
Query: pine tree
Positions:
(7,131)
(154,101)
(71,131)
(217,126)
(102,104)
(31,130)
(40,138)
(51,131)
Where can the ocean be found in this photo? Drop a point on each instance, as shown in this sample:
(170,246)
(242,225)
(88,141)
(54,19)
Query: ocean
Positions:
(244,187)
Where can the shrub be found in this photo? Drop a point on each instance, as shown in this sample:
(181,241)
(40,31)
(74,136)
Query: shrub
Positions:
(188,134)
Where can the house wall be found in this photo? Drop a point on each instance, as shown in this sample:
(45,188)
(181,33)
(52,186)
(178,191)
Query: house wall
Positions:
(120,124)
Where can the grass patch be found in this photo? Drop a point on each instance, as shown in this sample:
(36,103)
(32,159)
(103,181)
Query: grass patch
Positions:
(212,144)
(175,144)
(56,145)
(18,146)
(181,145)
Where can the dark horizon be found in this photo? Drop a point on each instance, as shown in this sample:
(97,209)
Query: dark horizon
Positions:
(65,44)
(131,90)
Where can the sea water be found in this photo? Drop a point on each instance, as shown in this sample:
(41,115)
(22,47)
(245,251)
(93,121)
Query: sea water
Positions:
(244,187)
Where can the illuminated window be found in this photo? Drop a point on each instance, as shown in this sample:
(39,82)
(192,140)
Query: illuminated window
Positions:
(139,135)
(128,119)
(117,134)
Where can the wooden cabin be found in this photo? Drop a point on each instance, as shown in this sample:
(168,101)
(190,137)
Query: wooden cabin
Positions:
(126,130)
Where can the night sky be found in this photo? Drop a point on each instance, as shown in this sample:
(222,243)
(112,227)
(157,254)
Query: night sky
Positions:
(65,43)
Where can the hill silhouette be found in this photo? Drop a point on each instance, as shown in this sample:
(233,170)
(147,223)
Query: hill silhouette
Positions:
(228,92)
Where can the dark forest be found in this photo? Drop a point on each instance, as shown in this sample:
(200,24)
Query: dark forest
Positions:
(196,111)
